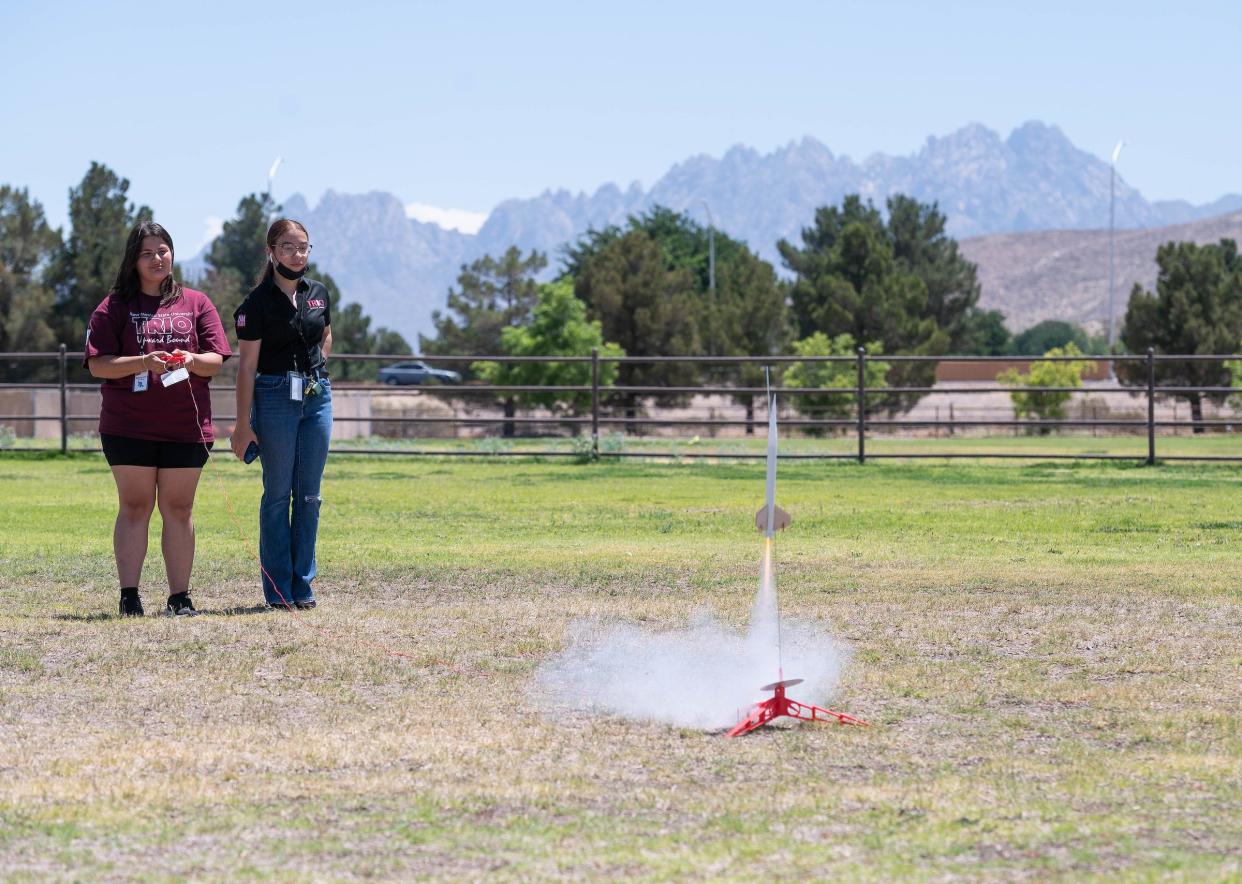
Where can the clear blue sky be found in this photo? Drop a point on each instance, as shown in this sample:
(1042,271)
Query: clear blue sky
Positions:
(463,105)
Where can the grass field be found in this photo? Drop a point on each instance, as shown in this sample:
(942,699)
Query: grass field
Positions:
(692,445)
(1051,652)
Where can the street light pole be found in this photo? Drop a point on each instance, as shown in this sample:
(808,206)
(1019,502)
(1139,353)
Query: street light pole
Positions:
(1112,191)
(711,251)
(711,262)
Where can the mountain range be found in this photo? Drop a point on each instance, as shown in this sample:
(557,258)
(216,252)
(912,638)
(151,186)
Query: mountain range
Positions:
(1063,274)
(1036,179)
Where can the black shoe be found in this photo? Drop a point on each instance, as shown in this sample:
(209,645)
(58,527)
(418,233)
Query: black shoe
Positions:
(179,604)
(305,606)
(278,606)
(131,605)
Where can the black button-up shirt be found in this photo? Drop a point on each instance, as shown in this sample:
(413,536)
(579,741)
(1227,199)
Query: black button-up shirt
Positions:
(290,336)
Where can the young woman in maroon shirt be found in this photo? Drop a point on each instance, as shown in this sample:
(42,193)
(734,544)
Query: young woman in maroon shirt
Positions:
(155,437)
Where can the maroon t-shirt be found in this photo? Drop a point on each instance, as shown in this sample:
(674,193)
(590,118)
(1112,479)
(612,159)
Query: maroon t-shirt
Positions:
(165,414)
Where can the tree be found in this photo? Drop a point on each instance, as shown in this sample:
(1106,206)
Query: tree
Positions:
(559,327)
(648,309)
(920,247)
(236,257)
(100,218)
(985,333)
(831,374)
(1044,336)
(751,318)
(28,249)
(492,294)
(1196,310)
(1047,405)
(745,315)
(848,280)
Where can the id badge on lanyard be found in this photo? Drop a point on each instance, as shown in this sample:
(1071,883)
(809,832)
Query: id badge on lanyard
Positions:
(143,379)
(295,376)
(295,386)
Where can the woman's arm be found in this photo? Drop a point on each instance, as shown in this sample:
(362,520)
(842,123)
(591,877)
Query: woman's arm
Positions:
(325,345)
(205,365)
(110,368)
(248,361)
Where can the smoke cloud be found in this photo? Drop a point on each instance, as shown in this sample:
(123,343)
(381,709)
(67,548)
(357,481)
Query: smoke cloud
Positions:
(706,676)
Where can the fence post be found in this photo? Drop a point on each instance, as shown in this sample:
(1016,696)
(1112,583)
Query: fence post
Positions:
(862,405)
(1151,406)
(64,400)
(595,403)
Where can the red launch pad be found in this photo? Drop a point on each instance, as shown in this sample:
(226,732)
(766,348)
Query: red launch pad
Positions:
(777,705)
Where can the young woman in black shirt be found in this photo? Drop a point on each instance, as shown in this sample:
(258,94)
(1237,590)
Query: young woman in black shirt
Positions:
(284,332)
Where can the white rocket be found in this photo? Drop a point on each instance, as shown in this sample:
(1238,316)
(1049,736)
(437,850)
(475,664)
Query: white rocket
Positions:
(771,518)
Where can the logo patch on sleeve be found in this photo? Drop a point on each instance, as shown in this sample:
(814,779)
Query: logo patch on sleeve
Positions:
(241,320)
(316,303)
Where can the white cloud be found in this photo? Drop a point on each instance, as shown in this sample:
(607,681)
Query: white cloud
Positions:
(450,219)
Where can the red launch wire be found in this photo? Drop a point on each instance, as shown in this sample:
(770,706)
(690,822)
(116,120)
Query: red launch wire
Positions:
(302,621)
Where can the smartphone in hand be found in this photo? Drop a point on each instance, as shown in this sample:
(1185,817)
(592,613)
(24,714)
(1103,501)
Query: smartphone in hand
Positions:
(252,452)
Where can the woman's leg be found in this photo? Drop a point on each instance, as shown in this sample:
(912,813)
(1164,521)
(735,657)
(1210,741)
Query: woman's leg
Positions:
(276,425)
(135,488)
(176,488)
(314,435)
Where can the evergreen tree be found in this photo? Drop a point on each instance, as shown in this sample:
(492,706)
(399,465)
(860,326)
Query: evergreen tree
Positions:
(985,333)
(745,315)
(645,307)
(1044,336)
(237,256)
(100,218)
(848,280)
(920,247)
(491,295)
(28,250)
(1195,310)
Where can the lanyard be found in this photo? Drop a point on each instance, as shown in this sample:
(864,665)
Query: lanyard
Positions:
(299,306)
(140,324)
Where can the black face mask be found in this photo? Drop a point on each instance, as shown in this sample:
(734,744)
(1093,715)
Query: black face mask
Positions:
(287,273)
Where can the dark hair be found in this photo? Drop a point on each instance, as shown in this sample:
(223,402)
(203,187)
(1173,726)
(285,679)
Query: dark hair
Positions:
(279,228)
(127,283)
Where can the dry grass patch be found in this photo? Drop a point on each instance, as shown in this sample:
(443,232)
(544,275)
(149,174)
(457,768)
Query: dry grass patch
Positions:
(1052,700)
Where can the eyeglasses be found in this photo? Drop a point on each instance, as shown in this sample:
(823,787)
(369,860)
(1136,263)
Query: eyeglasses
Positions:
(287,249)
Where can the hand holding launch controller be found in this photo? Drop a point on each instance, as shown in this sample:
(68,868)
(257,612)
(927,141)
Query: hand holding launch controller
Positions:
(174,370)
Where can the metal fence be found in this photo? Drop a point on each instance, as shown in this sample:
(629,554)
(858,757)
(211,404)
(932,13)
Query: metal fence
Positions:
(600,409)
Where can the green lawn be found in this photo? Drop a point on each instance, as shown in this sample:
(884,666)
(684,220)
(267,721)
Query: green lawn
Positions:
(1051,652)
(695,444)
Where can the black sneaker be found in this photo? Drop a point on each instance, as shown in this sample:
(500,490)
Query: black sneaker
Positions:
(278,606)
(305,606)
(179,604)
(131,605)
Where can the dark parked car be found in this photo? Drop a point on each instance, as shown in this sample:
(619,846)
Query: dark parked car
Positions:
(416,372)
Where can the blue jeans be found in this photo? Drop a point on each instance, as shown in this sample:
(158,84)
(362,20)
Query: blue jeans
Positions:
(293,441)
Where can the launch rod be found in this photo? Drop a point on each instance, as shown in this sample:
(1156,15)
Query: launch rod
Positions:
(769,499)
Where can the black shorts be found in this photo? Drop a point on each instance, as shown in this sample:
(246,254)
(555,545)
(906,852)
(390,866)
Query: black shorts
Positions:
(122,451)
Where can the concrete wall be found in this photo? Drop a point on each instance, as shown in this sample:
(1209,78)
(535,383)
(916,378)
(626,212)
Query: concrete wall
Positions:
(84,406)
